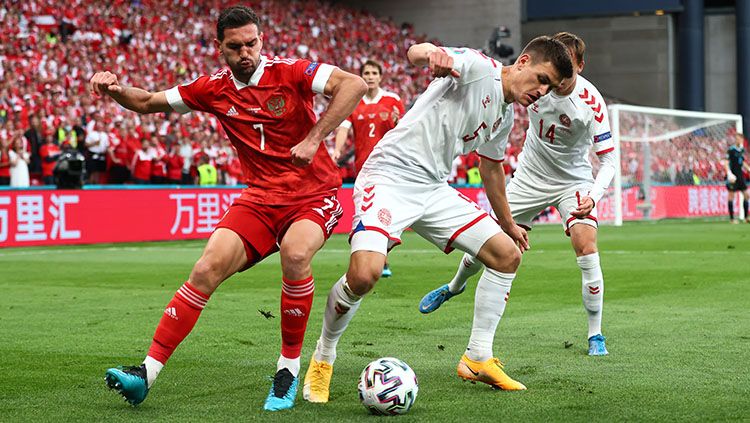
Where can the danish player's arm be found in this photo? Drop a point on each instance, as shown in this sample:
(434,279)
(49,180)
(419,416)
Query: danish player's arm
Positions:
(430,55)
(345,90)
(493,179)
(135,99)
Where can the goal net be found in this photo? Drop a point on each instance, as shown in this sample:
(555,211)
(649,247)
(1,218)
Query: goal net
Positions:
(671,164)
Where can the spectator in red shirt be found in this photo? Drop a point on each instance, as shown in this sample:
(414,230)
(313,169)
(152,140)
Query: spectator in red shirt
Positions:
(49,152)
(174,163)
(140,167)
(5,160)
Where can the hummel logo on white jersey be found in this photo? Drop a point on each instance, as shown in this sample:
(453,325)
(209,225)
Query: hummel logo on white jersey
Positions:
(294,312)
(171,312)
(232,111)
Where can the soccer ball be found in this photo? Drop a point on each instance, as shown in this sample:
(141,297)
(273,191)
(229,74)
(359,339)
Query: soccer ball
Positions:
(388,386)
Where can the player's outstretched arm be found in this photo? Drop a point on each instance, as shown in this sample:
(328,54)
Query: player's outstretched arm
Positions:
(346,90)
(493,179)
(427,54)
(131,98)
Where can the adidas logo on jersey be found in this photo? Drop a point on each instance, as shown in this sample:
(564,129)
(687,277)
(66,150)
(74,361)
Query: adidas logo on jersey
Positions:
(232,112)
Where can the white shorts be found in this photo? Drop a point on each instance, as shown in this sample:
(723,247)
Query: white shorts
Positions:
(383,209)
(526,201)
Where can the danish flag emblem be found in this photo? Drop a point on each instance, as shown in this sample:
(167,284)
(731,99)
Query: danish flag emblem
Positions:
(589,99)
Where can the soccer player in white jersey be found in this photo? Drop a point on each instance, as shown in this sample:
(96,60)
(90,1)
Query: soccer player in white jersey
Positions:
(403,184)
(554,170)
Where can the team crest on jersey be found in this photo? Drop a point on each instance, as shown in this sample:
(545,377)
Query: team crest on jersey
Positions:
(535,108)
(384,216)
(383,115)
(565,120)
(276,105)
(497,124)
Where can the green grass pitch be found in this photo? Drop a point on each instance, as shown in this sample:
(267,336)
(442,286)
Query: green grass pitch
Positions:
(676,317)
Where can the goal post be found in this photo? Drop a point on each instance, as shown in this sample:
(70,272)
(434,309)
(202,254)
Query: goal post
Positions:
(670,163)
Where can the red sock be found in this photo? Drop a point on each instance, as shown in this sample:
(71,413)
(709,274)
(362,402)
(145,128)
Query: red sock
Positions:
(177,322)
(296,301)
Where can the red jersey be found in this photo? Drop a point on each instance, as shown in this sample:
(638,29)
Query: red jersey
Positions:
(264,119)
(371,120)
(174,163)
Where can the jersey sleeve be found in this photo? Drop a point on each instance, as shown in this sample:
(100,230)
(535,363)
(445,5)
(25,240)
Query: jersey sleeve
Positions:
(471,64)
(192,96)
(599,127)
(311,77)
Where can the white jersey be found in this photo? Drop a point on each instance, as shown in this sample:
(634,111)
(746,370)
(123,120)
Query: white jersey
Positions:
(453,117)
(560,135)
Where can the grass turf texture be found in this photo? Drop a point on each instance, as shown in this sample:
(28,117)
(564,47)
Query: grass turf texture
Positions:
(675,317)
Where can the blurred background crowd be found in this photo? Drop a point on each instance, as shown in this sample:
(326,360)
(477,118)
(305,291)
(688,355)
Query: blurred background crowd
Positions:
(48,54)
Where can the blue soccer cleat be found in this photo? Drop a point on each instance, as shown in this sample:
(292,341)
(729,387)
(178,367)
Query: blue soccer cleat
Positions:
(387,273)
(434,299)
(596,345)
(128,381)
(283,391)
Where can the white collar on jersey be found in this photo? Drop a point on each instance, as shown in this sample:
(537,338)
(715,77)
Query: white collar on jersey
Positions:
(375,99)
(256,75)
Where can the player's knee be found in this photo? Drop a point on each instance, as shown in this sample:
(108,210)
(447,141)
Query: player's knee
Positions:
(506,260)
(206,275)
(295,261)
(361,280)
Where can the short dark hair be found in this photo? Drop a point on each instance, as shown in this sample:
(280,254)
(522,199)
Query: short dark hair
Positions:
(573,42)
(372,63)
(546,49)
(235,17)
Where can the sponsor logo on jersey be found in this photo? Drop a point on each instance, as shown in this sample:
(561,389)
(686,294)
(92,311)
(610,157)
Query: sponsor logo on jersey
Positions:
(384,216)
(383,115)
(276,105)
(602,137)
(232,112)
(253,109)
(565,120)
(311,68)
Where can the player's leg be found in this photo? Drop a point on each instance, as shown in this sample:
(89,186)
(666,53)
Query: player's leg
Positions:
(730,203)
(298,246)
(583,238)
(365,267)
(745,205)
(454,221)
(387,272)
(223,256)
(382,212)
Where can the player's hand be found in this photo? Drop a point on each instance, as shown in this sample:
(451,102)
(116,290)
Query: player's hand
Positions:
(520,237)
(336,156)
(441,64)
(584,208)
(303,153)
(731,178)
(104,82)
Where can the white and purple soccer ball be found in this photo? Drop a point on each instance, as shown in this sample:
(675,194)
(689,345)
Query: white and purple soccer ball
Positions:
(388,386)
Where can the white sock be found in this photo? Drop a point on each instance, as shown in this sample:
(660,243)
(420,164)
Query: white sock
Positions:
(468,267)
(341,306)
(489,304)
(592,290)
(153,368)
(290,363)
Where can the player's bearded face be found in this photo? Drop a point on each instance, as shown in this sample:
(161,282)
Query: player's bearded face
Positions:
(241,50)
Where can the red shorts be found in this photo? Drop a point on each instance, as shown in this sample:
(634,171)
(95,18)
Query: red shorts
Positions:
(262,226)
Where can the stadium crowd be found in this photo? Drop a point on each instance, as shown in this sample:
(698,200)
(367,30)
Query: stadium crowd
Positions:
(48,54)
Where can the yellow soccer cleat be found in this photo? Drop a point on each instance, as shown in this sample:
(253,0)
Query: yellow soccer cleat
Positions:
(317,381)
(489,372)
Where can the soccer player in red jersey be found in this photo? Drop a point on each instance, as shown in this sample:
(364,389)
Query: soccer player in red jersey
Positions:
(377,113)
(265,106)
